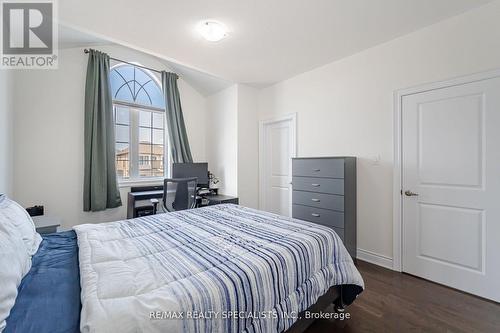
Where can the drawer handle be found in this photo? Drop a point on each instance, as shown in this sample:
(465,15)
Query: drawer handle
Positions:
(315,185)
(316,170)
(315,200)
(315,215)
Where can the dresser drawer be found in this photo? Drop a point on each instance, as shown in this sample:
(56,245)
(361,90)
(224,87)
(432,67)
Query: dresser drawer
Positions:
(320,185)
(318,167)
(319,200)
(326,217)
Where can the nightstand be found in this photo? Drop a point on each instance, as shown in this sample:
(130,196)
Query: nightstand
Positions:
(46,224)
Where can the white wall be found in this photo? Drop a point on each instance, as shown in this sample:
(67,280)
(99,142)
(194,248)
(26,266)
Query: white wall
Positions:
(346,107)
(48,135)
(248,146)
(194,109)
(6,134)
(232,142)
(222,138)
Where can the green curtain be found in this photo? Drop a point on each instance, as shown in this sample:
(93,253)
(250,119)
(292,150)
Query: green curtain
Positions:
(179,144)
(100,187)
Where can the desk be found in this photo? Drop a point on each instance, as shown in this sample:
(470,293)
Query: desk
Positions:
(141,195)
(206,200)
(218,199)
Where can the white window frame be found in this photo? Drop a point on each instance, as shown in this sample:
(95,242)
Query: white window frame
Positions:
(134,163)
(134,110)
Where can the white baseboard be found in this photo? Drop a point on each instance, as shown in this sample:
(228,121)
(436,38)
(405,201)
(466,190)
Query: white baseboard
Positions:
(374,258)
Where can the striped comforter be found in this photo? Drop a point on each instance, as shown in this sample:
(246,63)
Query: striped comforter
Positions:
(222,268)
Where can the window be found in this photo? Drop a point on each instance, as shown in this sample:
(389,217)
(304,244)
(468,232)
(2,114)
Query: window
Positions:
(139,115)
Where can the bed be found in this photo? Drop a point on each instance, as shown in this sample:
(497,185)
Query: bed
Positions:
(48,297)
(223,268)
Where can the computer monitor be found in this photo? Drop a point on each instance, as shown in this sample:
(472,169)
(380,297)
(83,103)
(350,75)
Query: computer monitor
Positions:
(186,170)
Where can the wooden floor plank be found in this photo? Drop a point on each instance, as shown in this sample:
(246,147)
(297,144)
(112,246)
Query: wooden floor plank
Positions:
(396,302)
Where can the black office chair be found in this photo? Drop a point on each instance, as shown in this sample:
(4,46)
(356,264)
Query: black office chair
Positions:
(178,194)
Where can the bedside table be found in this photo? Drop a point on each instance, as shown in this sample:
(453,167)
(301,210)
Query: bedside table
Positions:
(46,224)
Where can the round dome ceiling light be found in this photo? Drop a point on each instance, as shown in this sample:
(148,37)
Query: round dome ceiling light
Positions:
(212,31)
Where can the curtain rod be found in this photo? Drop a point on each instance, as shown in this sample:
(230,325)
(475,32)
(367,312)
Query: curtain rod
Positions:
(130,63)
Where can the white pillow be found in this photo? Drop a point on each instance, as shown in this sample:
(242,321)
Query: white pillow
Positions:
(12,213)
(15,262)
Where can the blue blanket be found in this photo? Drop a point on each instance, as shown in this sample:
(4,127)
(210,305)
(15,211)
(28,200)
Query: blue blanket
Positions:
(49,295)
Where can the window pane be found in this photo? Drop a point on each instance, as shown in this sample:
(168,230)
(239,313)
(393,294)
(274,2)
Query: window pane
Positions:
(122,116)
(143,98)
(122,133)
(157,161)
(141,77)
(145,163)
(145,149)
(158,136)
(151,162)
(136,85)
(144,135)
(122,151)
(157,152)
(122,169)
(150,133)
(156,95)
(122,160)
(158,120)
(145,160)
(145,118)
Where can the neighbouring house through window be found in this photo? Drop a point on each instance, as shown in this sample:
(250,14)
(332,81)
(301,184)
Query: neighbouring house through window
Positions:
(139,114)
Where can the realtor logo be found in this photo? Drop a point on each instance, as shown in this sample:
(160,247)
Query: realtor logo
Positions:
(29,34)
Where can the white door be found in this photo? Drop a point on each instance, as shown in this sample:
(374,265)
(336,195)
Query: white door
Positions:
(451,186)
(277,147)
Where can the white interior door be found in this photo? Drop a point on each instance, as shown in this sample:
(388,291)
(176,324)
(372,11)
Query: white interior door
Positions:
(277,147)
(451,186)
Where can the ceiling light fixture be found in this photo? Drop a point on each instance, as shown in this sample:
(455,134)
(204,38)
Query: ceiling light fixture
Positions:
(212,31)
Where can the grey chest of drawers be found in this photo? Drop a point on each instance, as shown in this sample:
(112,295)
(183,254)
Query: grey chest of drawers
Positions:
(324,192)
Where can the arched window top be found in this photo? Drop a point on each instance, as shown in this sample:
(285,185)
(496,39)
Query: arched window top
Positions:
(135,85)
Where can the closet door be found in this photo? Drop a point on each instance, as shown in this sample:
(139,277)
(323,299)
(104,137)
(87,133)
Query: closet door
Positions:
(451,186)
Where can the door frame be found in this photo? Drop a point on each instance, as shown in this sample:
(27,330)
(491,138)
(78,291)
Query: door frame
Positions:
(262,124)
(397,228)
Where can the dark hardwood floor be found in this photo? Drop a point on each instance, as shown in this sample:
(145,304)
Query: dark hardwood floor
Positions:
(396,302)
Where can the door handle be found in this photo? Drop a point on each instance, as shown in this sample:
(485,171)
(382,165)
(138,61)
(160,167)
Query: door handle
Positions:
(315,185)
(315,215)
(315,200)
(409,193)
(316,170)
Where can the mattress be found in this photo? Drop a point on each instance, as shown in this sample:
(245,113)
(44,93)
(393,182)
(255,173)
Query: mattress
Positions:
(223,268)
(48,299)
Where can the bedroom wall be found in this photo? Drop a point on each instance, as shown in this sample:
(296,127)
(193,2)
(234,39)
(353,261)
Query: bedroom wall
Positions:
(248,146)
(49,134)
(6,134)
(222,138)
(232,142)
(346,107)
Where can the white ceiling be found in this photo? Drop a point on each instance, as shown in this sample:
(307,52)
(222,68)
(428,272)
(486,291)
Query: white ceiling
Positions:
(269,40)
(204,83)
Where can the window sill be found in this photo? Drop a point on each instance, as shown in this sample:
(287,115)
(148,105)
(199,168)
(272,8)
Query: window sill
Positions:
(140,182)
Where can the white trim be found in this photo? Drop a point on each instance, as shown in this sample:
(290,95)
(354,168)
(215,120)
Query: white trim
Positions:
(374,258)
(293,118)
(397,186)
(134,133)
(137,106)
(140,182)
(398,247)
